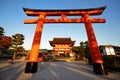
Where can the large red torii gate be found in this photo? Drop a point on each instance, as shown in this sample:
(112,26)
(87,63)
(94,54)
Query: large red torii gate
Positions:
(98,65)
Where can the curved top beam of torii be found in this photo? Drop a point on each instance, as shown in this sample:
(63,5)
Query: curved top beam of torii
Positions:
(69,12)
(85,13)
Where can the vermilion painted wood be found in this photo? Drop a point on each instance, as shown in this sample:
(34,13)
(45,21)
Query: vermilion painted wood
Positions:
(85,18)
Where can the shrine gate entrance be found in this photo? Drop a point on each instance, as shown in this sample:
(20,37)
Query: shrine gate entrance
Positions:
(98,64)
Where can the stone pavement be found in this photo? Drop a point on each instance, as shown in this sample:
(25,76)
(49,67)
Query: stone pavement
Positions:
(67,71)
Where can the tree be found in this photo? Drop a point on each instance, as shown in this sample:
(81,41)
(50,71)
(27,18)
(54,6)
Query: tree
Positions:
(75,49)
(6,41)
(87,50)
(1,33)
(82,50)
(17,40)
(6,44)
(1,37)
(21,51)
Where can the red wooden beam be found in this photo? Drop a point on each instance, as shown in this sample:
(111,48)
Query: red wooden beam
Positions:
(68,12)
(68,20)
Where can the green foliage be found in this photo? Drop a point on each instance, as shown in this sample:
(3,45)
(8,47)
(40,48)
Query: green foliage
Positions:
(1,32)
(13,46)
(20,49)
(17,39)
(85,49)
(82,51)
(75,49)
(1,35)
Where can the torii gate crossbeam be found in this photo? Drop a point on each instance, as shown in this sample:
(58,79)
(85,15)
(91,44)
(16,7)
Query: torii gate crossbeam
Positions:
(98,64)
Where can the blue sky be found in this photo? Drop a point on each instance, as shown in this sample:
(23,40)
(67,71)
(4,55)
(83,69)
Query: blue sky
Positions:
(12,19)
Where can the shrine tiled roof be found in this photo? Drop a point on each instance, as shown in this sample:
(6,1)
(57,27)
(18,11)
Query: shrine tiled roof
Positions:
(61,41)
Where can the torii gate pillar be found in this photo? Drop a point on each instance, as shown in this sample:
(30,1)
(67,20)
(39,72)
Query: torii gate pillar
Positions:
(32,63)
(98,65)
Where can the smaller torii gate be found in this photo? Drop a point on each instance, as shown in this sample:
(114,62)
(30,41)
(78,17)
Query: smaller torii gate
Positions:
(98,64)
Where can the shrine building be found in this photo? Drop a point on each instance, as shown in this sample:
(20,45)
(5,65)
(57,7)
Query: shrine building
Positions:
(62,46)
